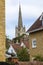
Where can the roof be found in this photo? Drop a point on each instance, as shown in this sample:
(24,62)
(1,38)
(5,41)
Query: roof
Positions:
(16,46)
(26,44)
(36,26)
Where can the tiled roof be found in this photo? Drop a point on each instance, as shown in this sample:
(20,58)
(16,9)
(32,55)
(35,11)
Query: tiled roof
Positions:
(26,44)
(37,25)
(16,46)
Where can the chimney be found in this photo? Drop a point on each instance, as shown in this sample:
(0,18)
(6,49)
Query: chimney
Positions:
(42,19)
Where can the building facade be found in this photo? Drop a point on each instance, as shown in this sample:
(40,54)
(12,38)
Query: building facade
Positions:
(36,38)
(19,30)
(2,30)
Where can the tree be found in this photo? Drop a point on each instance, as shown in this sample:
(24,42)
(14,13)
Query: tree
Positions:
(18,38)
(7,42)
(23,55)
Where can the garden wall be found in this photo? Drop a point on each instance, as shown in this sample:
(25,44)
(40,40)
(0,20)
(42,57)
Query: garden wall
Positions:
(30,63)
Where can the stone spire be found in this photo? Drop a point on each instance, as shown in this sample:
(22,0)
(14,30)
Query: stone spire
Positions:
(19,30)
(20,18)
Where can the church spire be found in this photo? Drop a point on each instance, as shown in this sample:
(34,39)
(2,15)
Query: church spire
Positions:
(20,18)
(19,30)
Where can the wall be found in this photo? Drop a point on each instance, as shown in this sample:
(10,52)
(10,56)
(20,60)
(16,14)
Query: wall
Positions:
(39,43)
(30,63)
(2,30)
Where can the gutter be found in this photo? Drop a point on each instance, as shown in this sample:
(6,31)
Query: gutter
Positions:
(35,30)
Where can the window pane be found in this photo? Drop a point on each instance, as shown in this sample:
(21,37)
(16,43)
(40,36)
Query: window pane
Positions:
(34,43)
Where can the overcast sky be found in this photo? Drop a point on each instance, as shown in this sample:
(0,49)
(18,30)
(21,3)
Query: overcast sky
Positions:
(31,10)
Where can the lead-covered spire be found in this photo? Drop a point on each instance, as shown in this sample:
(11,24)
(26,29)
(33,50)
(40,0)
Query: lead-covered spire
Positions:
(20,18)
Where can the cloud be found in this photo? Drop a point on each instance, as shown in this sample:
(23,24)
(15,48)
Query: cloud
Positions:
(10,32)
(31,10)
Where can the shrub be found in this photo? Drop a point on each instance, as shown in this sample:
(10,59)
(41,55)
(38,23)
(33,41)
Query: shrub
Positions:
(9,62)
(23,55)
(38,58)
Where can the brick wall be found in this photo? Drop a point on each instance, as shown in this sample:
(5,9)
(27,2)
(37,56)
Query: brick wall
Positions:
(2,30)
(30,63)
(39,44)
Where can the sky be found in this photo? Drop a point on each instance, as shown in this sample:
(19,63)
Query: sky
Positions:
(31,10)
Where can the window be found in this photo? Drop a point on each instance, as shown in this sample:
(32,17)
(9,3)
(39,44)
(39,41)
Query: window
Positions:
(34,43)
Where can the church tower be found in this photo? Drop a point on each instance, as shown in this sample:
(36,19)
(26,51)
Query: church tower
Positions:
(19,30)
(2,30)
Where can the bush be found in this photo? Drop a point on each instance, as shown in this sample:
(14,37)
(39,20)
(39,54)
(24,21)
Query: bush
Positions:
(23,55)
(9,62)
(38,58)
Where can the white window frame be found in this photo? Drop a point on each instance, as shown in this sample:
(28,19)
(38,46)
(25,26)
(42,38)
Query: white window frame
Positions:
(34,44)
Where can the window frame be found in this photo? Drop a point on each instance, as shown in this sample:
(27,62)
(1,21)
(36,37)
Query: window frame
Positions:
(34,44)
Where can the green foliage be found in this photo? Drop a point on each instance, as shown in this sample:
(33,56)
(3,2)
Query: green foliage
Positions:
(38,58)
(7,43)
(15,39)
(11,63)
(23,55)
(18,38)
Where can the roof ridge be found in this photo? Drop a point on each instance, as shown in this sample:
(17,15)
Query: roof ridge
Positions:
(36,24)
